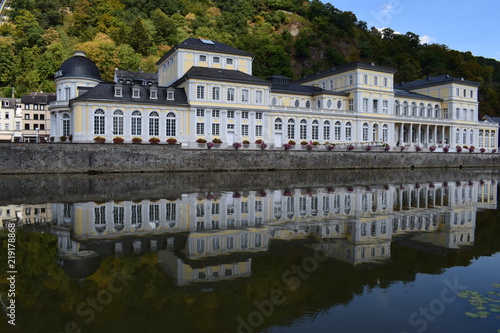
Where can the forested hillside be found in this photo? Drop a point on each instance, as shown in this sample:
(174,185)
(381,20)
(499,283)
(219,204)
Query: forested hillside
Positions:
(288,37)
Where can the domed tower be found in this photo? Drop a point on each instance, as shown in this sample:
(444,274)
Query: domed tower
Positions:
(76,76)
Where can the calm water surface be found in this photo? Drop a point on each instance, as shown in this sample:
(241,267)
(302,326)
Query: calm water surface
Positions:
(349,251)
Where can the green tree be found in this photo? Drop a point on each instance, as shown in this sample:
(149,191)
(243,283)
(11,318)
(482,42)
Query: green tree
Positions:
(141,38)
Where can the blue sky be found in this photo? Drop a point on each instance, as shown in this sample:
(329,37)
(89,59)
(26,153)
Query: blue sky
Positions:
(461,25)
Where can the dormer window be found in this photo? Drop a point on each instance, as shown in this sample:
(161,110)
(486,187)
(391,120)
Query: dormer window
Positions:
(136,92)
(153,93)
(118,91)
(229,61)
(170,95)
(216,60)
(203,57)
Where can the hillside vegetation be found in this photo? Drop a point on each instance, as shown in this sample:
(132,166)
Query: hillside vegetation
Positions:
(288,37)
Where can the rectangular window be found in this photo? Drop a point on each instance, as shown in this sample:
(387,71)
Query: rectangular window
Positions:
(35,116)
(7,127)
(200,113)
(135,93)
(118,92)
(26,106)
(136,125)
(351,105)
(350,80)
(42,117)
(42,127)
(230,126)
(244,130)
(258,130)
(457,113)
(230,94)
(230,114)
(303,131)
(215,93)
(170,95)
(215,129)
(200,92)
(216,60)
(203,57)
(445,113)
(326,132)
(258,115)
(365,104)
(258,97)
(385,82)
(18,126)
(244,115)
(200,128)
(67,92)
(154,126)
(229,61)
(244,95)
(136,215)
(6,115)
(215,113)
(375,80)
(27,116)
(375,105)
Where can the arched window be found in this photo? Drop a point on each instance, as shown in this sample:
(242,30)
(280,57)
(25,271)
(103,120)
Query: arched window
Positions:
(308,104)
(348,131)
(136,128)
(481,138)
(329,103)
(429,110)
(405,108)
(297,103)
(118,122)
(397,108)
(464,138)
(154,124)
(170,125)
(385,133)
(457,136)
(99,122)
(493,143)
(291,129)
(326,130)
(437,111)
(487,139)
(315,130)
(337,131)
(365,132)
(303,129)
(278,124)
(413,109)
(65,124)
(274,101)
(421,110)
(318,104)
(471,137)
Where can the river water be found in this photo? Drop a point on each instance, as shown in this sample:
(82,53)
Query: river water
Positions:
(298,251)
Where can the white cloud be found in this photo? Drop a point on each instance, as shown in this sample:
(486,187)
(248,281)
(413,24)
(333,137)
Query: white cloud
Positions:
(427,39)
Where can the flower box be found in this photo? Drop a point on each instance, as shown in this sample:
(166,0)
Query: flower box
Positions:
(99,139)
(136,140)
(118,140)
(171,141)
(154,140)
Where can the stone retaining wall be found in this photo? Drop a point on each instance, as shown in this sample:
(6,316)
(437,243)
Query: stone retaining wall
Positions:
(23,158)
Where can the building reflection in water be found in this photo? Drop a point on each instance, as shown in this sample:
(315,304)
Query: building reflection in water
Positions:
(207,237)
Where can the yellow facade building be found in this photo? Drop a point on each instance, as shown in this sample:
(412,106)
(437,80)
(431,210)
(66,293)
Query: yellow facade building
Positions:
(205,90)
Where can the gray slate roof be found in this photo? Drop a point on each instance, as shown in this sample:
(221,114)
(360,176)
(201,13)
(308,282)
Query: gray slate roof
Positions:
(199,45)
(409,94)
(196,72)
(106,91)
(434,81)
(345,68)
(38,98)
(135,76)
